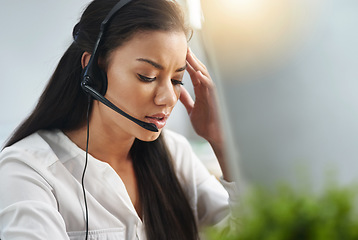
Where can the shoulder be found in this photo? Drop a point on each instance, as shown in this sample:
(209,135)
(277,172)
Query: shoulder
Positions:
(38,150)
(35,163)
(30,149)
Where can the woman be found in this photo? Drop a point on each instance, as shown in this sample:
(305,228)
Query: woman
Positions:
(124,181)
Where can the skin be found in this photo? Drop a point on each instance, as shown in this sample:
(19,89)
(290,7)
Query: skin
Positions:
(162,57)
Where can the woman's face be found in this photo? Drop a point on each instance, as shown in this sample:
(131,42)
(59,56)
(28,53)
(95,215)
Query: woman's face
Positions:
(144,76)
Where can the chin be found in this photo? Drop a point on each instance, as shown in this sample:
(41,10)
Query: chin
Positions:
(148,136)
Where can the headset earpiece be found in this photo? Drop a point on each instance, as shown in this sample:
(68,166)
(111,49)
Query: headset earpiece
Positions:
(92,74)
(95,77)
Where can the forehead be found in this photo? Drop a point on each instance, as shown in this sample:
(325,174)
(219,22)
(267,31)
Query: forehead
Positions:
(165,47)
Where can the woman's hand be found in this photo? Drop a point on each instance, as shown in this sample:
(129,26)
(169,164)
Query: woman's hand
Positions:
(203,113)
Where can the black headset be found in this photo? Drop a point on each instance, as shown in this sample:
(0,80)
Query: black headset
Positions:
(94,80)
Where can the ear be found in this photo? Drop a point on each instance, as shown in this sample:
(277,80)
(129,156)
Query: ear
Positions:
(85,59)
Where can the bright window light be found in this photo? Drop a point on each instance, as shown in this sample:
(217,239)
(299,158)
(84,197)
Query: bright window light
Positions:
(195,13)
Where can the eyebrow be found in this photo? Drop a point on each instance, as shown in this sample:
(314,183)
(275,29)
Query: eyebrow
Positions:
(158,66)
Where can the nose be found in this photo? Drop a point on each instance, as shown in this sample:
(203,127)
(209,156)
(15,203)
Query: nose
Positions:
(166,94)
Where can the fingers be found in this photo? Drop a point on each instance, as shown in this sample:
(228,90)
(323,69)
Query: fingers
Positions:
(197,71)
(195,62)
(186,99)
(192,74)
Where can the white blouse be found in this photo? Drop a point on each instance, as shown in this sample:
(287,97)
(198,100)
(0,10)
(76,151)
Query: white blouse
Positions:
(41,193)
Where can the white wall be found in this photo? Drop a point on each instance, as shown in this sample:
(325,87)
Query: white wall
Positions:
(34,35)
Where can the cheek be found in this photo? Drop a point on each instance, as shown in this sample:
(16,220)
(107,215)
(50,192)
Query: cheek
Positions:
(129,93)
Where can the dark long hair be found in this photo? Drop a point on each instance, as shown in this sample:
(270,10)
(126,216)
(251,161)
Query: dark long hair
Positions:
(63,105)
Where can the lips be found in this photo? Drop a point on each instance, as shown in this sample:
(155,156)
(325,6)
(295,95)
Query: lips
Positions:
(159,119)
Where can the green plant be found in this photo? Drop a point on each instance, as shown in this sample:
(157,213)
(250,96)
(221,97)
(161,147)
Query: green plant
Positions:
(288,214)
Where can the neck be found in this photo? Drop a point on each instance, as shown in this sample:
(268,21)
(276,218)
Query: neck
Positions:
(105,143)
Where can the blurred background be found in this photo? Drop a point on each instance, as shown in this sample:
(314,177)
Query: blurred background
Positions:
(286,71)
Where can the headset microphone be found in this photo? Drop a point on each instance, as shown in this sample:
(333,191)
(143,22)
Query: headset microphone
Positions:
(94,78)
(149,126)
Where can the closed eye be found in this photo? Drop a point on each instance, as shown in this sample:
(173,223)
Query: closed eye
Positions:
(177,82)
(145,79)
